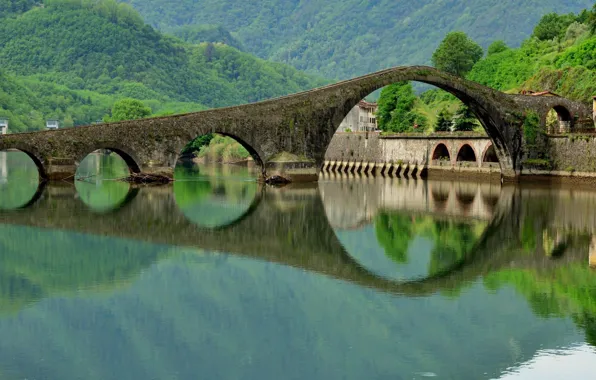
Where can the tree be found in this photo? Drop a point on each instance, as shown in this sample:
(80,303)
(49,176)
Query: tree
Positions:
(396,109)
(464,120)
(128,109)
(457,54)
(444,121)
(497,47)
(552,25)
(591,19)
(196,144)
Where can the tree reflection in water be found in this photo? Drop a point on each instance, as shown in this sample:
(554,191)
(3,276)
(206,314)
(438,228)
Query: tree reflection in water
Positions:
(214,196)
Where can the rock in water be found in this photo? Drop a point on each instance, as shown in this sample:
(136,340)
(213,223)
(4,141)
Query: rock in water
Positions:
(277,180)
(148,178)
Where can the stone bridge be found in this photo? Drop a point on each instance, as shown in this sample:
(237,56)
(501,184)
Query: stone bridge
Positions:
(297,126)
(289,226)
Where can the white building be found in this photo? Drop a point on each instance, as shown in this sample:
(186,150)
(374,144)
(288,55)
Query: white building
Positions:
(361,118)
(3,126)
(52,124)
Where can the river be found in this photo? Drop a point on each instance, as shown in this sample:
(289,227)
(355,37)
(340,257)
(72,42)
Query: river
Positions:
(218,277)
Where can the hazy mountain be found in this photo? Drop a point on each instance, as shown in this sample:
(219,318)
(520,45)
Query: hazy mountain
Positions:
(343,38)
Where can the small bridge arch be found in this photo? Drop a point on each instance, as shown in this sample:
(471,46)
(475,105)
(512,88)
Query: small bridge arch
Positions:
(466,153)
(32,153)
(441,153)
(121,150)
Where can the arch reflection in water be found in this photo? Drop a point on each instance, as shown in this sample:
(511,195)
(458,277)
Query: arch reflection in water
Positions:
(400,230)
(215,196)
(97,181)
(19,180)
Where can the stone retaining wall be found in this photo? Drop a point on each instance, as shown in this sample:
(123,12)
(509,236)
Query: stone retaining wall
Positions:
(351,151)
(571,155)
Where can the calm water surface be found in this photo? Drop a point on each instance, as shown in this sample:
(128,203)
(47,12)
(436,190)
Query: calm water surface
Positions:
(216,277)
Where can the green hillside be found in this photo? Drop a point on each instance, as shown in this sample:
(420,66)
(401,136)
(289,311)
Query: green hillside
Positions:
(71,59)
(562,60)
(344,38)
(565,64)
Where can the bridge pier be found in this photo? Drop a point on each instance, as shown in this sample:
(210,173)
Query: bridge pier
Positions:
(59,169)
(295,171)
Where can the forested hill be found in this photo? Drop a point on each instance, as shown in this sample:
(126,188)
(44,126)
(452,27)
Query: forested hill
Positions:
(344,38)
(98,51)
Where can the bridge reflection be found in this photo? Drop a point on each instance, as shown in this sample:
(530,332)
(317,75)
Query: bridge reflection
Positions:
(297,226)
(350,202)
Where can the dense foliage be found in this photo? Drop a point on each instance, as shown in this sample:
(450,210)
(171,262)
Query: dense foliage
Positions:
(564,64)
(464,119)
(13,7)
(128,109)
(560,56)
(396,109)
(444,121)
(206,33)
(452,241)
(72,59)
(343,38)
(457,54)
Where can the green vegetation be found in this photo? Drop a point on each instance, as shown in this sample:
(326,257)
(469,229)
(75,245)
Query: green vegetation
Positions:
(73,59)
(22,180)
(207,33)
(531,127)
(452,241)
(559,56)
(12,7)
(193,147)
(216,148)
(457,54)
(464,119)
(553,26)
(444,121)
(497,47)
(344,38)
(209,199)
(128,109)
(396,109)
(223,149)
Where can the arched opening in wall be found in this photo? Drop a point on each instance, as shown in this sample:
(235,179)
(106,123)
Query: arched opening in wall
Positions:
(490,156)
(100,179)
(441,153)
(20,174)
(558,120)
(216,180)
(400,109)
(466,154)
